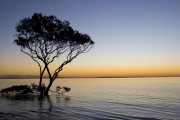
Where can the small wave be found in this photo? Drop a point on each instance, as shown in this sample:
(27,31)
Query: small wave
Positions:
(91,114)
(10,116)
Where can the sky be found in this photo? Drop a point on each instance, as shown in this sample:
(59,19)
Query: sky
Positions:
(132,37)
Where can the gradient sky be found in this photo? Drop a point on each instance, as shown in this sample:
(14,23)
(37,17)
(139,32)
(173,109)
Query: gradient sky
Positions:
(132,37)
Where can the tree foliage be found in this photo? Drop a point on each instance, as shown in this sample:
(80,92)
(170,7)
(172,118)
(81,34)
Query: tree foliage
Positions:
(45,38)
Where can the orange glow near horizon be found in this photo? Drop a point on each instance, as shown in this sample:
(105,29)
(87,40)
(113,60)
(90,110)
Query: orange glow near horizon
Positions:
(99,72)
(118,71)
(78,68)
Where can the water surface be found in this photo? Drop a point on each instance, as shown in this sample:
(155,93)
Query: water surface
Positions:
(98,98)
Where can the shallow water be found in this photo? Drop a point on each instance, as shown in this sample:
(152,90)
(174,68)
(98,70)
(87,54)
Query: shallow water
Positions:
(97,99)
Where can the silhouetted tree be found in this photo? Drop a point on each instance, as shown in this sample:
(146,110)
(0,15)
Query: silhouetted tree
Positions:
(45,38)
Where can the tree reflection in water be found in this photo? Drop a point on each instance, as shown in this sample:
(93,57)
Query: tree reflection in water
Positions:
(52,102)
(42,105)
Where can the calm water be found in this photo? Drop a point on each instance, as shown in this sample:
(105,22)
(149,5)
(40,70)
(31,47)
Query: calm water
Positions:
(99,99)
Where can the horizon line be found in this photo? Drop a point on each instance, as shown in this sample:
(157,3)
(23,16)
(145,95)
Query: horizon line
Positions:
(46,77)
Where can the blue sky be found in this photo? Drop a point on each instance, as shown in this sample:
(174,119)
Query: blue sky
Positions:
(132,37)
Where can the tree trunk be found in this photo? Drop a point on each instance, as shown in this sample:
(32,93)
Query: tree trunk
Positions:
(40,87)
(40,82)
(48,88)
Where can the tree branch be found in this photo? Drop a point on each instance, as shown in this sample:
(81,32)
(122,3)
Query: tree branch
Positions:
(32,58)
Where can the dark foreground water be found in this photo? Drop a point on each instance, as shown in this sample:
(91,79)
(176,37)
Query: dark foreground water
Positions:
(98,99)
